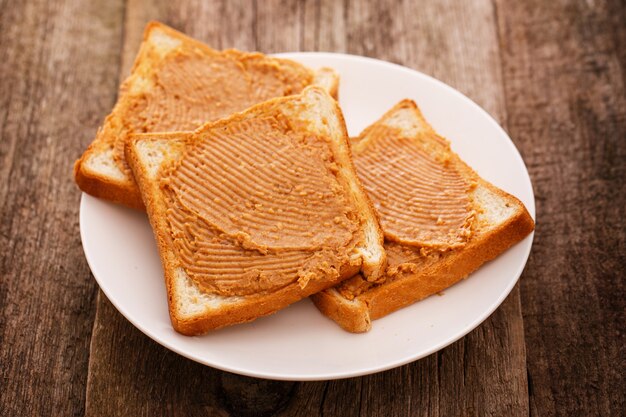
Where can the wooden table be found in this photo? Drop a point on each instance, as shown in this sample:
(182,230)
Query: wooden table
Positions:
(552,73)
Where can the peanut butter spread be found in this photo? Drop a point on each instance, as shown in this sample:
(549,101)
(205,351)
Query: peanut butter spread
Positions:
(422,198)
(191,86)
(402,260)
(256,205)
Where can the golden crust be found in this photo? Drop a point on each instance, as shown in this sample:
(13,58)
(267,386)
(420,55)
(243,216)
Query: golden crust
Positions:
(374,271)
(251,307)
(334,88)
(329,79)
(353,316)
(120,192)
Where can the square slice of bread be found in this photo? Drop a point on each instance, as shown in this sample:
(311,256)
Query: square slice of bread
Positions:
(177,84)
(440,219)
(256,211)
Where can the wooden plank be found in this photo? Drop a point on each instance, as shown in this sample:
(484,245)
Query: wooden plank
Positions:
(564,65)
(58,66)
(483,374)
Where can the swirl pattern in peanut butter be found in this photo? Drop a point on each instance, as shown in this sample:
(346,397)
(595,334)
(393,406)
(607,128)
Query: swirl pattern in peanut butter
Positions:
(255,205)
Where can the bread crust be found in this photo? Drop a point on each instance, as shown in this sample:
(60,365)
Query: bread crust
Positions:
(329,79)
(353,316)
(374,270)
(119,192)
(251,308)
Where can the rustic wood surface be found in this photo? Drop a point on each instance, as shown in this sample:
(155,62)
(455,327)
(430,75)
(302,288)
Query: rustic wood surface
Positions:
(552,73)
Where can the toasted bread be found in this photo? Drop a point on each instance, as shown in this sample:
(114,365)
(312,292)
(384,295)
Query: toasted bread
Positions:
(177,84)
(273,185)
(461,221)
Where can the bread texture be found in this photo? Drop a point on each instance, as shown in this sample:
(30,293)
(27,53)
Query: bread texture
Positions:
(193,310)
(499,220)
(102,170)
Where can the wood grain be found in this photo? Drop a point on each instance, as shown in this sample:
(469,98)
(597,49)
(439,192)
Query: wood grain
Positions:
(483,374)
(56,88)
(553,73)
(564,72)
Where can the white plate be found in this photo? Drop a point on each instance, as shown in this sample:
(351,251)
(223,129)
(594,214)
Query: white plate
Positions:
(298,343)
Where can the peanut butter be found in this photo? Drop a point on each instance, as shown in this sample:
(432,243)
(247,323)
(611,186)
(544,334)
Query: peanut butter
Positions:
(422,198)
(402,260)
(191,86)
(256,205)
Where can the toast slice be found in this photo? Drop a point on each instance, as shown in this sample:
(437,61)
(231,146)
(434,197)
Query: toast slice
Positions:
(177,84)
(441,221)
(256,211)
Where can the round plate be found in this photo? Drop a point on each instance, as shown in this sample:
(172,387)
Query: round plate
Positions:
(299,343)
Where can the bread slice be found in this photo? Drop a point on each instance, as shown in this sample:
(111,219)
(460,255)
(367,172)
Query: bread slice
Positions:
(412,175)
(273,185)
(177,84)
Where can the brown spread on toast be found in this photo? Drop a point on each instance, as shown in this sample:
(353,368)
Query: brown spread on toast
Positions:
(422,198)
(192,86)
(256,205)
(421,194)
